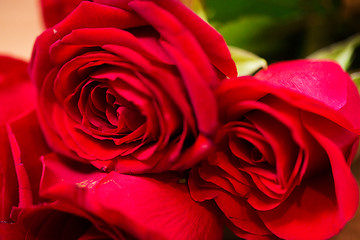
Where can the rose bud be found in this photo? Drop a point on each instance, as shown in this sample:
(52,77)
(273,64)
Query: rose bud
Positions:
(44,198)
(127,85)
(281,168)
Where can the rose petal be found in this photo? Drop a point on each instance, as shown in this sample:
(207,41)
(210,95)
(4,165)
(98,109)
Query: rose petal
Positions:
(309,212)
(20,166)
(143,206)
(241,214)
(173,32)
(54,11)
(323,81)
(346,187)
(176,35)
(322,204)
(210,40)
(106,16)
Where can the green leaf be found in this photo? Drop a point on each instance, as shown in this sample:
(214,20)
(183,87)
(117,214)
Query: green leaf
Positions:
(228,10)
(249,33)
(246,62)
(341,52)
(262,35)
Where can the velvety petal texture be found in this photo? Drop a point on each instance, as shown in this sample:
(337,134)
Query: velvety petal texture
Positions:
(54,11)
(131,88)
(282,164)
(145,207)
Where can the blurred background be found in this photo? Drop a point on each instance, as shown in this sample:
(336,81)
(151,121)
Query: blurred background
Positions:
(280,30)
(273,29)
(20,24)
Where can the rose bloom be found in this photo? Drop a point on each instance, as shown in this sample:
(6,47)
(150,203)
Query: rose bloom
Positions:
(127,85)
(282,165)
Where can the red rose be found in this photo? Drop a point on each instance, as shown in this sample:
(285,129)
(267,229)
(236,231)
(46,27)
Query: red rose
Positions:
(51,200)
(281,167)
(127,85)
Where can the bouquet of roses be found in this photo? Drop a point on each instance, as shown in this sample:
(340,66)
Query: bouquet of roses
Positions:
(134,120)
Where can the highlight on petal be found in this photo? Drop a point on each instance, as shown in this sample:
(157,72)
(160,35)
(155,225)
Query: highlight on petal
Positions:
(323,81)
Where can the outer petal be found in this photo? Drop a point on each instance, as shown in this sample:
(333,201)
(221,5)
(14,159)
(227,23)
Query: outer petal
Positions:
(41,62)
(56,10)
(323,81)
(21,141)
(239,216)
(8,182)
(20,166)
(320,80)
(351,110)
(146,207)
(211,41)
(309,213)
